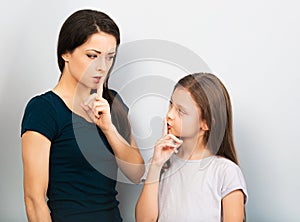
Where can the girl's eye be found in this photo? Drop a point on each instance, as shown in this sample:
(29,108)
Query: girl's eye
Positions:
(92,56)
(181,111)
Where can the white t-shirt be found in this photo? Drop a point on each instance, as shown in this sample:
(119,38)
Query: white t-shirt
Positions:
(192,190)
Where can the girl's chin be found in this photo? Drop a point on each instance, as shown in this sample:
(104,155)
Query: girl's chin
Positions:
(174,133)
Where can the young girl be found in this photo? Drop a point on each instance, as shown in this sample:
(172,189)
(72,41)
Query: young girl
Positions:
(194,174)
(73,142)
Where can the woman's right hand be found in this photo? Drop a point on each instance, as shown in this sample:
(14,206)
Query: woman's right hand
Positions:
(98,109)
(165,147)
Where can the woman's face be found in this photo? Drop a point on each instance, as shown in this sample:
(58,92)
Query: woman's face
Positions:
(91,61)
(184,116)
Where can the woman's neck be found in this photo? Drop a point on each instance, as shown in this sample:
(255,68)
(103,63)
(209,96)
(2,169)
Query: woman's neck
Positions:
(72,92)
(71,89)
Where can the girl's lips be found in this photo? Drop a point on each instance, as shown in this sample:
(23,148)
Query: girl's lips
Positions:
(169,126)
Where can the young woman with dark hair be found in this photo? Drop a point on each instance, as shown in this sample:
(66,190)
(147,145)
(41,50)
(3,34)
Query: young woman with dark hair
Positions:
(76,136)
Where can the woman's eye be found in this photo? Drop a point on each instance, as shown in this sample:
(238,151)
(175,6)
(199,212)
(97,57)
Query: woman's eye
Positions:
(92,56)
(109,58)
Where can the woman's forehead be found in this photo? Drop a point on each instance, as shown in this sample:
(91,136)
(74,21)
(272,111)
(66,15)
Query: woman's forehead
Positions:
(101,42)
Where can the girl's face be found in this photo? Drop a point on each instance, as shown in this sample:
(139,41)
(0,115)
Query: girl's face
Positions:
(91,61)
(184,116)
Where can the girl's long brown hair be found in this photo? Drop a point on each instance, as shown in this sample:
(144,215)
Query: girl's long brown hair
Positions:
(213,100)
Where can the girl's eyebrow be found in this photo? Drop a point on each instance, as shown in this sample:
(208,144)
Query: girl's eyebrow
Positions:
(177,105)
(182,107)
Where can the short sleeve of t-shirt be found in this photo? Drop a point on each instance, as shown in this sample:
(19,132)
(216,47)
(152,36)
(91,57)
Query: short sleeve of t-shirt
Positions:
(40,116)
(233,180)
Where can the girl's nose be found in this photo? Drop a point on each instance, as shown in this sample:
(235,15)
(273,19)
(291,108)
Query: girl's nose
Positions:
(170,113)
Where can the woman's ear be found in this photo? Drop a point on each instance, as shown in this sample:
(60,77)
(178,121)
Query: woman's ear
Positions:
(66,56)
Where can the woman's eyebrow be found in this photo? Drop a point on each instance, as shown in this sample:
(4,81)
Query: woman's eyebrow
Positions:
(99,52)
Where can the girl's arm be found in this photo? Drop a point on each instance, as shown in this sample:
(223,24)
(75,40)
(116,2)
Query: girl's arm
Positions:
(233,207)
(35,155)
(147,205)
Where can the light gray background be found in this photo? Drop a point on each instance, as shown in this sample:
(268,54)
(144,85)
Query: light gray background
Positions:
(252,46)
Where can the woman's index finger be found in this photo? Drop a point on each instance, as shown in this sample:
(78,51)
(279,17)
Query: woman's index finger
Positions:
(100,88)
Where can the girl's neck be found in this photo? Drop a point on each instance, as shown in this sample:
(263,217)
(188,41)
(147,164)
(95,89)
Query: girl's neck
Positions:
(193,149)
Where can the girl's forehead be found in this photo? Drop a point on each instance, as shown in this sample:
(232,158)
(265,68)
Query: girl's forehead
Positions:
(182,93)
(182,97)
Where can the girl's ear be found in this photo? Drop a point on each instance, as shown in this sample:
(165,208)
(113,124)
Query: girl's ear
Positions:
(66,56)
(204,126)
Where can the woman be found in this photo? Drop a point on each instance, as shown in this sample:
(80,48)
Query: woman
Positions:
(194,174)
(67,131)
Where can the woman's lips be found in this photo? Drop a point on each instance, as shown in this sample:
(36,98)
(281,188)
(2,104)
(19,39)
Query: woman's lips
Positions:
(97,79)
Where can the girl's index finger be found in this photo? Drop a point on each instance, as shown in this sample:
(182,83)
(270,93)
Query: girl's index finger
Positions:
(100,88)
(165,128)
(175,139)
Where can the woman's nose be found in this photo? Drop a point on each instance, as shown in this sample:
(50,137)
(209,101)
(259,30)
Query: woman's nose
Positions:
(101,64)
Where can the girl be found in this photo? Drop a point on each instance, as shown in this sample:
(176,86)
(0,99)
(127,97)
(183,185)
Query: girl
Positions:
(72,141)
(194,174)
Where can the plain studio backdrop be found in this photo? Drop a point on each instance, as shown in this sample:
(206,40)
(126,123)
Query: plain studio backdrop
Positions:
(252,46)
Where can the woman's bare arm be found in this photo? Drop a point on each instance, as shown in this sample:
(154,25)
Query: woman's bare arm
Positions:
(35,155)
(128,156)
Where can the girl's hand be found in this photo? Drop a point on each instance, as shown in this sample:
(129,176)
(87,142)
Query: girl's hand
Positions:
(98,109)
(165,147)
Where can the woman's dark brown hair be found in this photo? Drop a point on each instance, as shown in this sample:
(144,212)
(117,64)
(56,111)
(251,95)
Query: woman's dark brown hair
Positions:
(75,31)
